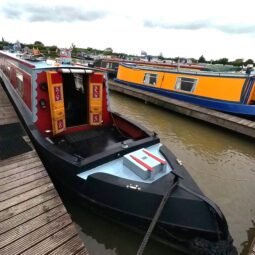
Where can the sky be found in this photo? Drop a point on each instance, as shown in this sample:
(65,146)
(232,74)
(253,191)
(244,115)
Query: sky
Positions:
(183,28)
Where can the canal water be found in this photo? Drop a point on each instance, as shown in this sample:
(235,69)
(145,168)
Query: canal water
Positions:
(221,162)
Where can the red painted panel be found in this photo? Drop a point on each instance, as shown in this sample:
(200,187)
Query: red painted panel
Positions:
(128,128)
(56,78)
(25,86)
(27,90)
(43,114)
(97,78)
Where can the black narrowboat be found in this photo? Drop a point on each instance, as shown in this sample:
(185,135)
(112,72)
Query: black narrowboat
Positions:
(120,168)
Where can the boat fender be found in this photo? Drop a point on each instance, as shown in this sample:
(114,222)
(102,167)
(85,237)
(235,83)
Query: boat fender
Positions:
(205,247)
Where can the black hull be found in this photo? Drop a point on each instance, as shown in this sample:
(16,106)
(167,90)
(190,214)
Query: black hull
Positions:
(110,205)
(187,215)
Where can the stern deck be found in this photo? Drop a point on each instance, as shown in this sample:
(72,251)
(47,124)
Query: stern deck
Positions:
(90,142)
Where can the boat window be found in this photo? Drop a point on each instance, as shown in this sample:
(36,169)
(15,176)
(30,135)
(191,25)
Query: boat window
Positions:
(185,84)
(150,78)
(19,80)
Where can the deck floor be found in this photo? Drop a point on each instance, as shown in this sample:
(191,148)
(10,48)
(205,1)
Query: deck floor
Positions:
(88,143)
(33,219)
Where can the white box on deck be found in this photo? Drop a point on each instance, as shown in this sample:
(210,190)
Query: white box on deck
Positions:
(139,162)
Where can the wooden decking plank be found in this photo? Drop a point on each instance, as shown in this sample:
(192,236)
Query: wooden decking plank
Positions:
(3,98)
(25,196)
(52,242)
(7,109)
(9,121)
(70,247)
(17,209)
(36,236)
(82,252)
(252,124)
(31,225)
(244,122)
(33,219)
(19,163)
(14,159)
(21,175)
(29,214)
(24,188)
(8,114)
(24,181)
(19,169)
(9,106)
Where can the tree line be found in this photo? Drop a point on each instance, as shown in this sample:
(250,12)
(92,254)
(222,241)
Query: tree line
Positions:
(52,51)
(225,61)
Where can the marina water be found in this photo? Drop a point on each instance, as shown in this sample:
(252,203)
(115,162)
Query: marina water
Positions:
(221,162)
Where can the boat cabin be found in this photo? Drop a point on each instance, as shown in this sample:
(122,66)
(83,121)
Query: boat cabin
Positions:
(67,104)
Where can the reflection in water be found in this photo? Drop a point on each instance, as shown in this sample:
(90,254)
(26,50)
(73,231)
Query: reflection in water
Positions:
(103,237)
(221,162)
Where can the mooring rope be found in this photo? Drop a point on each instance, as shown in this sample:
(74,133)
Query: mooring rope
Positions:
(156,217)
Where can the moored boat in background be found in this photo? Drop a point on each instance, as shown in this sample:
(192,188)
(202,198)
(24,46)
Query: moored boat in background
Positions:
(232,93)
(111,65)
(106,160)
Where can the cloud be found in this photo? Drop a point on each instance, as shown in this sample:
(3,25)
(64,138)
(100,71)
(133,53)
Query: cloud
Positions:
(193,25)
(237,29)
(12,13)
(203,24)
(54,13)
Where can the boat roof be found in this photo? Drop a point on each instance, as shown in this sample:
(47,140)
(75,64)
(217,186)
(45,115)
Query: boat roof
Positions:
(40,64)
(183,70)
